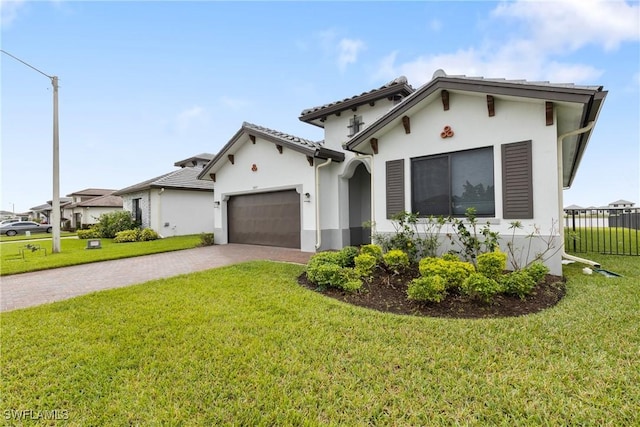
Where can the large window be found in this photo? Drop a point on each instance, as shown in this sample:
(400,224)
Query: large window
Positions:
(450,183)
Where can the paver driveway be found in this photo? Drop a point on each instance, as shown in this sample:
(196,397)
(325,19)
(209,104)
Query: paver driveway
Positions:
(40,287)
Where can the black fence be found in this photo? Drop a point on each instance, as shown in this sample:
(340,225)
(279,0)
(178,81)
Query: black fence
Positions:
(614,231)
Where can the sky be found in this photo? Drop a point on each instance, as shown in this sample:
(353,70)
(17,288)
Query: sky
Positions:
(146,84)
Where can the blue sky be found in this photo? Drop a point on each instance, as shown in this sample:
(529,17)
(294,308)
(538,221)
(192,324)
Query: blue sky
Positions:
(146,84)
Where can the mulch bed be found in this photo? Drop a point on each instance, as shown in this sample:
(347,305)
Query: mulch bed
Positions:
(388,293)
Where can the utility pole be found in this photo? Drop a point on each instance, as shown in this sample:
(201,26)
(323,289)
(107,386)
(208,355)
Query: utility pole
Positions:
(55,208)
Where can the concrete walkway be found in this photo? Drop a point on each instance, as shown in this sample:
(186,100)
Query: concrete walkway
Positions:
(40,287)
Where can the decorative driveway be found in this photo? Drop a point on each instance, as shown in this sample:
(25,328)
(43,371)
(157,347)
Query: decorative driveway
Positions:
(41,287)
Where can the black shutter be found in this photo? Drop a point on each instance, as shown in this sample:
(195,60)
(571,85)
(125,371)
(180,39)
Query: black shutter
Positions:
(517,182)
(395,187)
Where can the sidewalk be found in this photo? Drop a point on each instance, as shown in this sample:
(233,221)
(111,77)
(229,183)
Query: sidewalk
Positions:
(40,287)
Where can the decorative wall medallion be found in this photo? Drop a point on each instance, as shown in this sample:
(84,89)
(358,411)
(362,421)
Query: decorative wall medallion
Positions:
(447,132)
(254,167)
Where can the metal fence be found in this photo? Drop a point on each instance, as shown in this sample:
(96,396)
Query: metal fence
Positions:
(613,231)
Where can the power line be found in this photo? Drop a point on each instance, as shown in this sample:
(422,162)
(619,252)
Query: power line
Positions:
(25,63)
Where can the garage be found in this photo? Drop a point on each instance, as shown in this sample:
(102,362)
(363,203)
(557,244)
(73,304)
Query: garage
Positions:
(269,219)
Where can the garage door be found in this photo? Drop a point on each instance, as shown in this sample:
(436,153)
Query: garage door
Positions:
(271,219)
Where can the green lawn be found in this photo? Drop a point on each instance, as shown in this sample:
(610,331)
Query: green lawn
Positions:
(619,241)
(37,236)
(245,345)
(73,251)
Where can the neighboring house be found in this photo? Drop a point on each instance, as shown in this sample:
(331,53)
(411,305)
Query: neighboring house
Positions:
(76,214)
(43,212)
(504,147)
(87,213)
(176,203)
(621,204)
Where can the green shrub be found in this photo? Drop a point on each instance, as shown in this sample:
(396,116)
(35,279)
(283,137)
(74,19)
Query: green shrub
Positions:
(349,280)
(111,223)
(518,283)
(206,239)
(450,257)
(480,287)
(365,264)
(396,260)
(373,250)
(148,234)
(323,273)
(537,271)
(492,264)
(347,255)
(453,272)
(89,233)
(127,236)
(431,288)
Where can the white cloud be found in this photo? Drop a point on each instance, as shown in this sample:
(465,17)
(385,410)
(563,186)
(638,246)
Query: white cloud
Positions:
(547,32)
(9,11)
(435,25)
(348,52)
(234,103)
(191,117)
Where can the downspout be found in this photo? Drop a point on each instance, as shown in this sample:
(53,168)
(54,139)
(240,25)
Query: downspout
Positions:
(560,197)
(373,205)
(318,233)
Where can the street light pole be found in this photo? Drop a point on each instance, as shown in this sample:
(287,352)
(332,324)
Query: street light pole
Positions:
(55,208)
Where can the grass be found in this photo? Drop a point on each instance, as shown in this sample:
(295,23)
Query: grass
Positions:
(37,236)
(613,240)
(73,252)
(246,345)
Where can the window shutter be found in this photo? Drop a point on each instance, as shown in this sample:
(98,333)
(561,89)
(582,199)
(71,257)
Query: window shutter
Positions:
(517,182)
(395,187)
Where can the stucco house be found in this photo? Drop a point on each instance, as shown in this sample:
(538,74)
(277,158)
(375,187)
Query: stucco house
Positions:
(176,203)
(85,206)
(505,147)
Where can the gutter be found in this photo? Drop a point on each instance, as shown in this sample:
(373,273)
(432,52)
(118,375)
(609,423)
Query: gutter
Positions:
(565,255)
(318,232)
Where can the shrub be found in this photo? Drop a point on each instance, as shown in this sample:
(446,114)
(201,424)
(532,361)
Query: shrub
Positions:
(347,255)
(148,234)
(453,272)
(432,289)
(323,273)
(492,264)
(364,265)
(450,257)
(127,236)
(89,233)
(396,260)
(537,271)
(518,283)
(206,239)
(111,223)
(480,287)
(325,269)
(349,280)
(373,250)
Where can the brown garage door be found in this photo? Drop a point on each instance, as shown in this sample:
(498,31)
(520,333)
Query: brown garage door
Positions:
(271,219)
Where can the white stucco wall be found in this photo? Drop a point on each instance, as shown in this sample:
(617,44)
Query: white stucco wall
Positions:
(473,128)
(275,171)
(91,215)
(181,212)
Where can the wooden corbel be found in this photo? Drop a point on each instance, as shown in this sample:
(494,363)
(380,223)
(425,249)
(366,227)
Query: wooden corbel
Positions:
(372,103)
(548,108)
(279,147)
(213,177)
(491,106)
(406,122)
(374,145)
(445,99)
(230,157)
(310,160)
(252,138)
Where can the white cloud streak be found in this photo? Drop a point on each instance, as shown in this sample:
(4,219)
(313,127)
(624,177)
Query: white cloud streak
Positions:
(348,52)
(9,11)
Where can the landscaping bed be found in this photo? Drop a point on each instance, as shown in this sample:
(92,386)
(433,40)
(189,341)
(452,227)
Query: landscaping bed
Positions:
(388,293)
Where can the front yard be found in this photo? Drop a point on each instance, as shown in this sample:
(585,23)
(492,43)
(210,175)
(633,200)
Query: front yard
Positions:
(247,345)
(73,252)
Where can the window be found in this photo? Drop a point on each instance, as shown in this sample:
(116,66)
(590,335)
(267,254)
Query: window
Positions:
(355,125)
(450,183)
(136,210)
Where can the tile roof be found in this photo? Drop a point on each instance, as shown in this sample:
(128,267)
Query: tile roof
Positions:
(194,159)
(184,178)
(398,85)
(106,201)
(285,137)
(92,192)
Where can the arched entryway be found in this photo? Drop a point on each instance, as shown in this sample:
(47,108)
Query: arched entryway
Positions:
(359,205)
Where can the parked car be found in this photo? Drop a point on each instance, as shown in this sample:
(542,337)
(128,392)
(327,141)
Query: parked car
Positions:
(21,227)
(8,221)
